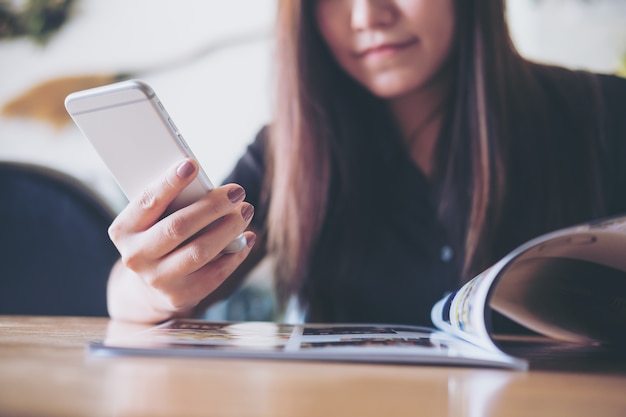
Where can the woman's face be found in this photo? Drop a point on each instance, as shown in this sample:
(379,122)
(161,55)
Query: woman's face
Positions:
(392,47)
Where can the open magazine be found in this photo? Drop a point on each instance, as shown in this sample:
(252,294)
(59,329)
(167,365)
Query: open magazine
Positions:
(568,285)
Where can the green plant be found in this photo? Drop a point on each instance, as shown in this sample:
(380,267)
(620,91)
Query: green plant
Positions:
(37,20)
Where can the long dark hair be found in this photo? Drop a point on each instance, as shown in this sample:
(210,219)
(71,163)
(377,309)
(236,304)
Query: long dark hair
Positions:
(497,101)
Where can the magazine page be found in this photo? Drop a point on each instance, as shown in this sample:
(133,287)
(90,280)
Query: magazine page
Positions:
(371,343)
(569,285)
(464,313)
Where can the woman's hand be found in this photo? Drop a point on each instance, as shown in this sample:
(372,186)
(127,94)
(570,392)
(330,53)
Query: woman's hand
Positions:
(168,265)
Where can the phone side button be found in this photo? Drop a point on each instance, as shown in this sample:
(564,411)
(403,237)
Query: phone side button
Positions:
(182,141)
(172,124)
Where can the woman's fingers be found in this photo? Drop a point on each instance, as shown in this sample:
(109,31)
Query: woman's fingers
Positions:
(209,213)
(205,246)
(185,292)
(145,210)
(142,236)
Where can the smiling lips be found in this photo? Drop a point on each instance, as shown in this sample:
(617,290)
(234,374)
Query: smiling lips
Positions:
(385,49)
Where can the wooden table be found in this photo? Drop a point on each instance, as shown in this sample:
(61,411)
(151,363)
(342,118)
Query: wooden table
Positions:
(45,371)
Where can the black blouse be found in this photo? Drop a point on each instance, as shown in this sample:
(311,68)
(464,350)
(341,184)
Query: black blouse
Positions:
(402,260)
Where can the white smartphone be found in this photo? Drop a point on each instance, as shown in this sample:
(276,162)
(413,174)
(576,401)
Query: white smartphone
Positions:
(130,130)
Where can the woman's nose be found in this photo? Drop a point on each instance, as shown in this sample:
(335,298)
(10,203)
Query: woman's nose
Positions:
(371,14)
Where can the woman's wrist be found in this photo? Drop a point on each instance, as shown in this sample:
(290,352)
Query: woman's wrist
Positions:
(130,298)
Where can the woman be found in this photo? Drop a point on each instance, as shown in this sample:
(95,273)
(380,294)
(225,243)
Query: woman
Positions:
(411,147)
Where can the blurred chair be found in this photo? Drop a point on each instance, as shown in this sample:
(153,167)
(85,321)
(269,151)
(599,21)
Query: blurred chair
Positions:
(55,253)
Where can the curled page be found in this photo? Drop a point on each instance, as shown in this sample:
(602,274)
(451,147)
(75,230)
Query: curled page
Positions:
(568,285)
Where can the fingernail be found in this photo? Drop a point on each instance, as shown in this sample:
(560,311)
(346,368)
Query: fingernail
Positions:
(250,241)
(246,212)
(185,169)
(235,195)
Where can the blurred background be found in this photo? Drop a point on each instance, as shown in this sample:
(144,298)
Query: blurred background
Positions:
(209,61)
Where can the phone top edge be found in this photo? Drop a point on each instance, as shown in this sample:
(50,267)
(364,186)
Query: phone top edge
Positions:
(123,92)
